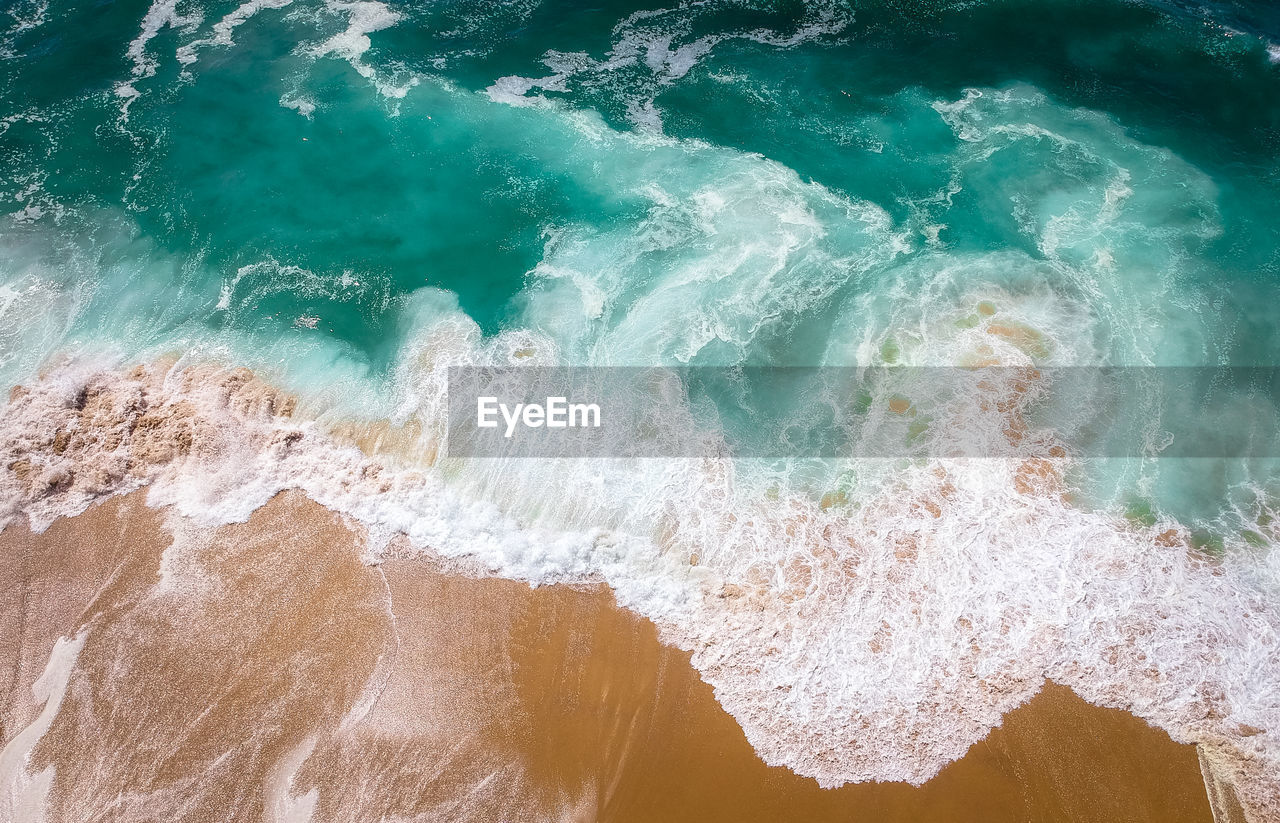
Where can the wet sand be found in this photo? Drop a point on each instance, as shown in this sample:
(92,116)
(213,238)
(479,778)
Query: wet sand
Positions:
(263,672)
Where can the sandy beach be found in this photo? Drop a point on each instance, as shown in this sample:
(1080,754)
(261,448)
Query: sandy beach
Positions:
(263,672)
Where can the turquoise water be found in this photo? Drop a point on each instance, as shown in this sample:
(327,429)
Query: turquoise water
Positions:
(711,184)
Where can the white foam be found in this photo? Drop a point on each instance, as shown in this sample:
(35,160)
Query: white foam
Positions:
(35,313)
(514,90)
(253,282)
(26,15)
(30,116)
(645,115)
(162,13)
(23,794)
(225,28)
(656,40)
(281,805)
(301,104)
(364,17)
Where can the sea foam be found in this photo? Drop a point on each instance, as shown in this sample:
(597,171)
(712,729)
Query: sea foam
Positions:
(653,49)
(873,638)
(225,28)
(161,14)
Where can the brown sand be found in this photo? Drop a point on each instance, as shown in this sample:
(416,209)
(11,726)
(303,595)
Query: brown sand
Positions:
(271,675)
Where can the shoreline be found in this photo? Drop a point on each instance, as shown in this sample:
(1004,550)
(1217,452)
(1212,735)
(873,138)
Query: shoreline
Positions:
(210,445)
(404,689)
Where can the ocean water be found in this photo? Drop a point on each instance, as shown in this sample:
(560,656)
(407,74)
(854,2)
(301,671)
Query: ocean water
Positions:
(349,197)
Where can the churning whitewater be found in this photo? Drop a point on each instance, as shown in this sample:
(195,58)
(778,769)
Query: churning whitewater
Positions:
(242,251)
